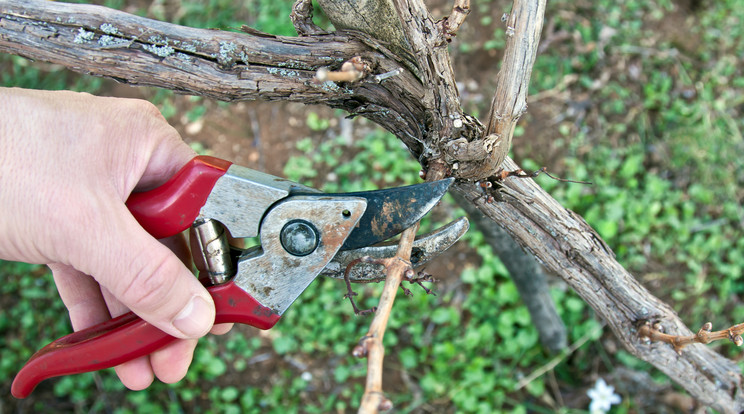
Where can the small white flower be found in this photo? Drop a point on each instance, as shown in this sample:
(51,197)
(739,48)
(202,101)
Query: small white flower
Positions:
(603,397)
(306,376)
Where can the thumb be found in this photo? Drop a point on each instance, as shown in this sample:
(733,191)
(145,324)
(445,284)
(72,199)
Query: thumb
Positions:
(150,280)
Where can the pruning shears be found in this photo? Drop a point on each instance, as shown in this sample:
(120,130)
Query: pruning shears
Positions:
(303,233)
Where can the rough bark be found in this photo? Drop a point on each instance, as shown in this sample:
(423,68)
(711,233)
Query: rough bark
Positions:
(222,65)
(419,105)
(564,243)
(376,18)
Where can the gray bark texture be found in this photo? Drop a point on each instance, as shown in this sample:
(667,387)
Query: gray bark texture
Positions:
(526,273)
(420,105)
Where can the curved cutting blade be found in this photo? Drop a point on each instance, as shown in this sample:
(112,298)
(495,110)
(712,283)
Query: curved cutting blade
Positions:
(390,211)
(393,210)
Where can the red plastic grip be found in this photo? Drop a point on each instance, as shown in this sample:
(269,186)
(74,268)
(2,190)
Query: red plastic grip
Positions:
(172,208)
(128,337)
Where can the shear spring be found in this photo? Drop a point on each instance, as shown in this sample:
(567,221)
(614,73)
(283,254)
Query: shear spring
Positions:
(214,250)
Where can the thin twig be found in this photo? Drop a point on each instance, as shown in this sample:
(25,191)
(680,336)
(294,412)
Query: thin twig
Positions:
(520,173)
(452,23)
(371,344)
(398,268)
(653,332)
(302,18)
(349,292)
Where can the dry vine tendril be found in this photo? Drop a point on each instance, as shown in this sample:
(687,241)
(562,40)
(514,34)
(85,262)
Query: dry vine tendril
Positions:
(655,332)
(491,184)
(409,275)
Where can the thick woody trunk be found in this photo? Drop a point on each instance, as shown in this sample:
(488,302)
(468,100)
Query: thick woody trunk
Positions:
(524,270)
(420,105)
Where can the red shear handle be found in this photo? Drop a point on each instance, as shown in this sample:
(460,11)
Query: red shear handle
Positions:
(172,208)
(128,337)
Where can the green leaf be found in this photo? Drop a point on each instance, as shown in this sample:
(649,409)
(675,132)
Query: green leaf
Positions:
(229,394)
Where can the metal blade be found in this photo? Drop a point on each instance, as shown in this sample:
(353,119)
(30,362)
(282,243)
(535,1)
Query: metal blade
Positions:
(391,211)
(425,248)
(275,277)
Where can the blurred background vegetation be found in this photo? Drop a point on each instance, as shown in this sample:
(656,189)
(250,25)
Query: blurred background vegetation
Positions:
(645,98)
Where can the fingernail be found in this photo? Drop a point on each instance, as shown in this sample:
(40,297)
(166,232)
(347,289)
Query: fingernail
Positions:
(195,319)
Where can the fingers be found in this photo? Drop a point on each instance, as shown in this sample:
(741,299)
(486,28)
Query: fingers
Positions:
(169,364)
(89,304)
(136,374)
(81,295)
(222,328)
(85,303)
(147,277)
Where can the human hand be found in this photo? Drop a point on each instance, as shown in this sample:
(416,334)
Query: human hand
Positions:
(68,163)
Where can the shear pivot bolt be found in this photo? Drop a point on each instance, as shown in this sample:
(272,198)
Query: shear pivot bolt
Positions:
(299,238)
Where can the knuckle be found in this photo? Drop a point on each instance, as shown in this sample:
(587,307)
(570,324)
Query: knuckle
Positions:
(152,119)
(141,113)
(144,108)
(151,284)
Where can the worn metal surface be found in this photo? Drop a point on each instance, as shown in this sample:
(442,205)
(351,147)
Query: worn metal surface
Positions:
(393,210)
(240,198)
(274,277)
(215,250)
(425,248)
(299,238)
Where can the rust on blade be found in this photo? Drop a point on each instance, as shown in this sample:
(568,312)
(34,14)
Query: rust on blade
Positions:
(383,223)
(393,210)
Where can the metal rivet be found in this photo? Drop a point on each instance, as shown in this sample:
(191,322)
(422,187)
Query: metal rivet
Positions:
(299,238)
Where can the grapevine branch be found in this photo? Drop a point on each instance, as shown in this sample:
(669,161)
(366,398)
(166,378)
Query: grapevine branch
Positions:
(655,332)
(397,269)
(371,344)
(302,18)
(452,23)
